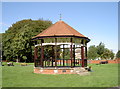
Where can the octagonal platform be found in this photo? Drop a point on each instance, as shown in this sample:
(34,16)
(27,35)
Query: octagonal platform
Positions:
(60,70)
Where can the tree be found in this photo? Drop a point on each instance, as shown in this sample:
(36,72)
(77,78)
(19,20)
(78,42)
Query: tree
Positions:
(25,58)
(112,55)
(17,43)
(0,46)
(100,49)
(118,54)
(100,52)
(92,52)
(106,54)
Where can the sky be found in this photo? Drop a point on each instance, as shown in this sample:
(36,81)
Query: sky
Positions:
(96,20)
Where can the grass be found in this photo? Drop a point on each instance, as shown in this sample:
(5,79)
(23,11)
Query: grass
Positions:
(105,75)
(15,63)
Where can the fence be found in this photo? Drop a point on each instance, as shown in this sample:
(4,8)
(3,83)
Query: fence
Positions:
(109,61)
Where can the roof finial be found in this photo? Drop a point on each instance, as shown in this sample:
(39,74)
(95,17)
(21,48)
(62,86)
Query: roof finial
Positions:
(60,17)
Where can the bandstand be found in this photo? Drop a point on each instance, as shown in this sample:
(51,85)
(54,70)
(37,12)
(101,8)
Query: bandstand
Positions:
(59,50)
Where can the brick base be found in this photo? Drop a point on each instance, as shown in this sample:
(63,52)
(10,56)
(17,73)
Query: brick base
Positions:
(54,71)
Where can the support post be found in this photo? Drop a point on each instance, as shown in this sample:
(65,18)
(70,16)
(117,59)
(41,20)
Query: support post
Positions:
(74,55)
(63,55)
(86,51)
(55,52)
(35,55)
(42,53)
(71,52)
(86,55)
(82,55)
(52,56)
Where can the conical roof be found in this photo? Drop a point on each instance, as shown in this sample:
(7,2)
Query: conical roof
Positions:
(60,28)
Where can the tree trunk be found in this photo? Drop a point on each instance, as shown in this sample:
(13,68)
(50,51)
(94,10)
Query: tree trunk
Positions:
(17,60)
(29,57)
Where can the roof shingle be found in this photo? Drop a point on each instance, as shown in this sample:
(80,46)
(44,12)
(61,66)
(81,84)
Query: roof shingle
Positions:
(60,28)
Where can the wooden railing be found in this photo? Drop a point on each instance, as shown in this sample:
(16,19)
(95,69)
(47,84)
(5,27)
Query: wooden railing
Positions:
(60,63)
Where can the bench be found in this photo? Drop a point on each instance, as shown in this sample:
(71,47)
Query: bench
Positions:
(23,64)
(10,64)
(103,62)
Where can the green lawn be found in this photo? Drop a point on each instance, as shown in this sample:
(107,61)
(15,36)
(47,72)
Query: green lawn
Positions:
(105,75)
